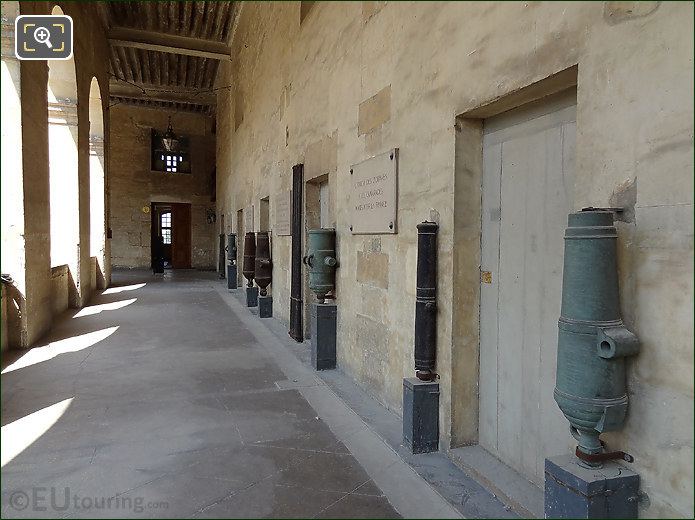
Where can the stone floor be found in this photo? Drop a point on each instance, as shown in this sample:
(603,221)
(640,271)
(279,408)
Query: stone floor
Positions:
(164,399)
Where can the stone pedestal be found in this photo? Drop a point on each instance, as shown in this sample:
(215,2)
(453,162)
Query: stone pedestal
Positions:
(265,306)
(420,415)
(252,296)
(231,276)
(573,490)
(323,330)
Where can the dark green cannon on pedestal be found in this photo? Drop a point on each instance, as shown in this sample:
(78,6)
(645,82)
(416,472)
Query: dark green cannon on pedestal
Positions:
(592,340)
(321,261)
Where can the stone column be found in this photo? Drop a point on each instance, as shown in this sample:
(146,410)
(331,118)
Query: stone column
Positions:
(65,195)
(13,248)
(97,210)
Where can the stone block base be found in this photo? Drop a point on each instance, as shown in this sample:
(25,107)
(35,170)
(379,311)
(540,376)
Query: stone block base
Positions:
(420,415)
(265,306)
(231,276)
(252,296)
(323,331)
(573,490)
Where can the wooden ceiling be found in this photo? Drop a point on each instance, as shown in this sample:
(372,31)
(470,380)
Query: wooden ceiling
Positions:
(166,54)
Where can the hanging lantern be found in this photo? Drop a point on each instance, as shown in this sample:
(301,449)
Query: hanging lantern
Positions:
(169,139)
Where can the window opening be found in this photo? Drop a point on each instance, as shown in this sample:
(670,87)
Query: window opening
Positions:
(166,227)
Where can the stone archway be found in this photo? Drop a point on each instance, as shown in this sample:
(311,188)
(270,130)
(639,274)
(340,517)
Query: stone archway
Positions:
(63,180)
(97,191)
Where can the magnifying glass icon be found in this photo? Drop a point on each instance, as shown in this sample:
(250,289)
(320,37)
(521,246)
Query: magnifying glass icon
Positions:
(42,35)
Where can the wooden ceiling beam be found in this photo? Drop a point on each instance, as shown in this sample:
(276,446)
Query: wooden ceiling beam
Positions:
(146,71)
(198,14)
(116,63)
(173,94)
(185,20)
(157,99)
(162,105)
(237,8)
(168,43)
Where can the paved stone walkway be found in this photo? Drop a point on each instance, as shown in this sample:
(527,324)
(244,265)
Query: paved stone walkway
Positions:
(157,400)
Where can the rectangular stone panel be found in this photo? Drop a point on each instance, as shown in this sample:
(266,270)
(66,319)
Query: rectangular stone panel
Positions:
(374,195)
(374,111)
(373,269)
(283,213)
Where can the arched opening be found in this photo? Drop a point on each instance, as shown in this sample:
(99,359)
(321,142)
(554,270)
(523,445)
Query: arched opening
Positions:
(64,184)
(12,188)
(97,207)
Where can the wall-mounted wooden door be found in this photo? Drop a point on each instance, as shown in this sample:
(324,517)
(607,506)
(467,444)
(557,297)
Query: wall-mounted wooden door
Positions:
(181,236)
(296,302)
(240,282)
(528,182)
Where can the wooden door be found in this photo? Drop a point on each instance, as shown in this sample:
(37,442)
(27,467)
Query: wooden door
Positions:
(181,236)
(296,302)
(528,172)
(241,282)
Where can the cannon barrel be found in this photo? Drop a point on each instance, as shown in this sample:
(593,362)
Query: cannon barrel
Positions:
(264,268)
(590,384)
(426,301)
(321,261)
(248,269)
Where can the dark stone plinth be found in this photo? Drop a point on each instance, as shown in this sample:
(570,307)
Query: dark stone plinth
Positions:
(323,330)
(265,306)
(231,276)
(420,415)
(573,490)
(252,296)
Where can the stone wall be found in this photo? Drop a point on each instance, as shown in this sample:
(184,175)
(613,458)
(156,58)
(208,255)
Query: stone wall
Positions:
(350,80)
(134,186)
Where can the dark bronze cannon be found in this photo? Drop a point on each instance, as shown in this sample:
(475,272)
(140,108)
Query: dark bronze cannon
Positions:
(426,301)
(248,269)
(264,266)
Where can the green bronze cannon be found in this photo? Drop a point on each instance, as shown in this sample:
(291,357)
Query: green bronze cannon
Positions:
(593,343)
(321,260)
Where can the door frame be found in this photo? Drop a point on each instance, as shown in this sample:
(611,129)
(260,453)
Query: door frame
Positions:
(462,418)
(178,209)
(156,211)
(296,301)
(522,344)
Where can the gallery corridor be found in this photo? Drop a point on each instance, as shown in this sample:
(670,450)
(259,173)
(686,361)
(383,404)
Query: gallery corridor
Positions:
(165,397)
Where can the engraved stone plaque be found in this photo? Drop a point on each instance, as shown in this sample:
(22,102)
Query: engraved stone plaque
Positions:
(248,218)
(374,195)
(283,213)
